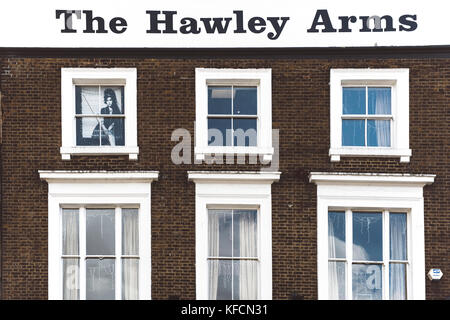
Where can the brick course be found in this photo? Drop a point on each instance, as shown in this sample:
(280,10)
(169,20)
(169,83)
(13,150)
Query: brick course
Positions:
(31,103)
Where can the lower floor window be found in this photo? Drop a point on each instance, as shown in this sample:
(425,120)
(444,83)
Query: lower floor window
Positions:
(367,255)
(233,254)
(100,253)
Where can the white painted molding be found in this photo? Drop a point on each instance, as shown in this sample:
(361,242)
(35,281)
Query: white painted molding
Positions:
(240,176)
(83,176)
(333,177)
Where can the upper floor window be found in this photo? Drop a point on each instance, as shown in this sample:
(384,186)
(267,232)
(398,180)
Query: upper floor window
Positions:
(233,112)
(98,108)
(369,113)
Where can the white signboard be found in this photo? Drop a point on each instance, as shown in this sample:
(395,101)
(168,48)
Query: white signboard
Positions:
(223,24)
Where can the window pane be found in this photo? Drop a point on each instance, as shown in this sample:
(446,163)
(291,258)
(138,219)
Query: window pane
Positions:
(100,232)
(112,131)
(71,279)
(367,236)
(245,100)
(130,232)
(397,236)
(219,132)
(87,100)
(336,280)
(379,100)
(367,282)
(353,133)
(88,131)
(336,234)
(130,279)
(245,280)
(70,220)
(220,233)
(112,100)
(220,279)
(379,133)
(245,132)
(245,233)
(100,275)
(397,281)
(354,100)
(219,100)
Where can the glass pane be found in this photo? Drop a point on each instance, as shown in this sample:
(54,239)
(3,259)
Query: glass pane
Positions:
(220,233)
(336,280)
(367,282)
(245,280)
(397,281)
(130,232)
(397,236)
(130,279)
(245,100)
(100,232)
(100,283)
(219,100)
(219,132)
(379,100)
(354,100)
(88,131)
(379,133)
(245,233)
(245,132)
(112,131)
(353,133)
(71,279)
(112,100)
(220,280)
(87,100)
(367,236)
(70,221)
(336,234)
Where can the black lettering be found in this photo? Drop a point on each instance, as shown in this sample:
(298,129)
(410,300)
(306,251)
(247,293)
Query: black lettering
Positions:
(167,21)
(117,23)
(257,24)
(189,25)
(90,22)
(411,24)
(239,22)
(377,24)
(68,25)
(365,24)
(345,21)
(277,27)
(217,25)
(322,19)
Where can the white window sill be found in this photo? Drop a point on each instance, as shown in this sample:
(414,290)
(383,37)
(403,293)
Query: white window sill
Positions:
(267,153)
(132,152)
(337,153)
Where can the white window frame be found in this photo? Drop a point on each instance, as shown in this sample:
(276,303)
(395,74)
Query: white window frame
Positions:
(234,190)
(373,192)
(71,77)
(398,80)
(67,189)
(262,79)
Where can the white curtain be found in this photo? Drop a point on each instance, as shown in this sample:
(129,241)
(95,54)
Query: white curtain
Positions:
(397,276)
(130,246)
(213,241)
(70,247)
(383,106)
(248,276)
(333,287)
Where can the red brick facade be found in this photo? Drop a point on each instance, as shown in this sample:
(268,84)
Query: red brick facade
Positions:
(31,132)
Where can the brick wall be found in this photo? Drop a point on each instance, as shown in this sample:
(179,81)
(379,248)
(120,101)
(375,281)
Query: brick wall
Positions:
(31,98)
